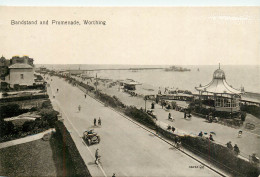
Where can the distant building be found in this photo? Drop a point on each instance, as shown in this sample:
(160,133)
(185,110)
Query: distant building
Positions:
(20,74)
(17,71)
(129,84)
(42,70)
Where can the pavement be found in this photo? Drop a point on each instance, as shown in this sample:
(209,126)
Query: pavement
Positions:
(26,139)
(126,149)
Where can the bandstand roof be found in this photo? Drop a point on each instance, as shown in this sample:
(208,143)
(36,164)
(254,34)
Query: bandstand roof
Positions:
(218,85)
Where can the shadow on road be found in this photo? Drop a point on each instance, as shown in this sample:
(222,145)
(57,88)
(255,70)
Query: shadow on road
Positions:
(92,163)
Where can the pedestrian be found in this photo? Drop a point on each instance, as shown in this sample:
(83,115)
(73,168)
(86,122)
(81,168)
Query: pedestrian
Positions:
(236,149)
(85,96)
(152,105)
(114,175)
(173,129)
(229,145)
(79,108)
(96,156)
(185,114)
(240,133)
(169,116)
(99,121)
(95,121)
(176,140)
(157,130)
(211,137)
(57,90)
(200,134)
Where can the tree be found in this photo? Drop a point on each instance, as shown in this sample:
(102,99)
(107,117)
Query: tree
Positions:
(6,128)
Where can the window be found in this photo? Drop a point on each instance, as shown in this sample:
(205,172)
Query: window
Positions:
(21,76)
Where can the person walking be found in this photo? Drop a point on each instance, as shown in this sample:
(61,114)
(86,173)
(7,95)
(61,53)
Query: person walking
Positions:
(96,156)
(236,149)
(85,96)
(79,108)
(170,116)
(176,141)
(99,121)
(95,121)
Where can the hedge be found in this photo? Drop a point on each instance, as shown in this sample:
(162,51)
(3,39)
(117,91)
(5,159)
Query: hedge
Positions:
(140,116)
(74,164)
(11,110)
(111,101)
(22,98)
(225,158)
(251,109)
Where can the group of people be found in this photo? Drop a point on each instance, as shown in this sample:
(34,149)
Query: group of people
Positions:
(95,121)
(186,114)
(235,148)
(210,135)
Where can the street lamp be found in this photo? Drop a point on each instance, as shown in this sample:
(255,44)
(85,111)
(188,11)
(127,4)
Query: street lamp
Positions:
(145,98)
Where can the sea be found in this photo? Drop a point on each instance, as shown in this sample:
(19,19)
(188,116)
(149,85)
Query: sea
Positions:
(238,76)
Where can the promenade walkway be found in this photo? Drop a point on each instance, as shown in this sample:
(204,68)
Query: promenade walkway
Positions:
(125,148)
(26,139)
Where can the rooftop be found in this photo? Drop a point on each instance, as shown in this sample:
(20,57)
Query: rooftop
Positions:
(218,85)
(20,66)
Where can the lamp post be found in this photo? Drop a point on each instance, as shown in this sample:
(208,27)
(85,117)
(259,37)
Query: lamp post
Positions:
(96,83)
(145,103)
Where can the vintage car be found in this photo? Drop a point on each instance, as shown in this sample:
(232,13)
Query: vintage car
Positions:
(91,137)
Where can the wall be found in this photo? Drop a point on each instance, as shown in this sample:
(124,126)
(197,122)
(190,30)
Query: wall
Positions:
(15,77)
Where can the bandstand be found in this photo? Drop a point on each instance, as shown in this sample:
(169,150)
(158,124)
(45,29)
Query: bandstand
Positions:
(220,95)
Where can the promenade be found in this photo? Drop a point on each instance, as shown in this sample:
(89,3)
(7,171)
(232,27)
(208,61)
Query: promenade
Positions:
(249,142)
(125,148)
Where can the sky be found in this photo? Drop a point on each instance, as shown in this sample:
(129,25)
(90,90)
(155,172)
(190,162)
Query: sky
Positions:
(134,35)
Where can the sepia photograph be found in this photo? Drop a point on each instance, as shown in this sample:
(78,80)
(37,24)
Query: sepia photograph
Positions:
(92,89)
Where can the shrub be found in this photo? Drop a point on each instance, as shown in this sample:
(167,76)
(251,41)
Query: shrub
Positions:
(33,109)
(5,94)
(243,116)
(174,104)
(28,126)
(46,104)
(11,110)
(206,148)
(111,101)
(73,163)
(140,116)
(49,115)
(21,98)
(6,128)
(251,109)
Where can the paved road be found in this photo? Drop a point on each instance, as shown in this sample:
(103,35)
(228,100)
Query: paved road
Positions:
(126,149)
